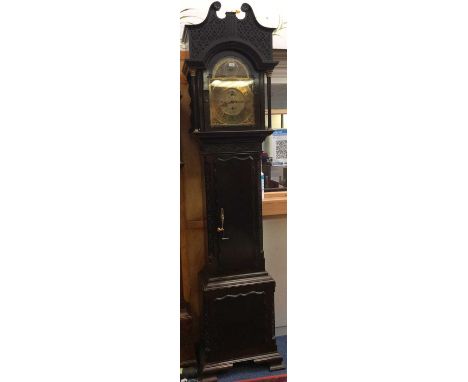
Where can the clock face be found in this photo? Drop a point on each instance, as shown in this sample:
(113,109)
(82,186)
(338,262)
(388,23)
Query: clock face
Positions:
(231,102)
(231,94)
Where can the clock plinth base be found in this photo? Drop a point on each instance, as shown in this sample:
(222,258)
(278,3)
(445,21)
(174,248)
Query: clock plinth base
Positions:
(273,360)
(238,323)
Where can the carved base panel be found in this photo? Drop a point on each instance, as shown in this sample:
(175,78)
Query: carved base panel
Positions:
(239,322)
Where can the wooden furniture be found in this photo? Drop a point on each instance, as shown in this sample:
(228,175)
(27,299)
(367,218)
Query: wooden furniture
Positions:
(187,346)
(192,220)
(275,203)
(229,71)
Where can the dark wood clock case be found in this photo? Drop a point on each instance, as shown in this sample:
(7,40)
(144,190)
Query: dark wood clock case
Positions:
(237,320)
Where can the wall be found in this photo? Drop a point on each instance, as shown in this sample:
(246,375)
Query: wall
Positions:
(274,245)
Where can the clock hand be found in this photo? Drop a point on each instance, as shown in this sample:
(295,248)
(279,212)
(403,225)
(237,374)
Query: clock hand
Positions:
(229,102)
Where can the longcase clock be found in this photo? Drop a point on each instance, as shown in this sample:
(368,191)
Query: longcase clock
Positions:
(229,73)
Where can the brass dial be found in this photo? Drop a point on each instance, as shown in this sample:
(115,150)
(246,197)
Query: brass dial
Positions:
(232,102)
(231,90)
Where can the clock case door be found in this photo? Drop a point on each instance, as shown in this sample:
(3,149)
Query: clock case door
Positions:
(232,194)
(258,90)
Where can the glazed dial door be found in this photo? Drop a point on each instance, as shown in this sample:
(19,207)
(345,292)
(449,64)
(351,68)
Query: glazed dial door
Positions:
(237,198)
(231,94)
